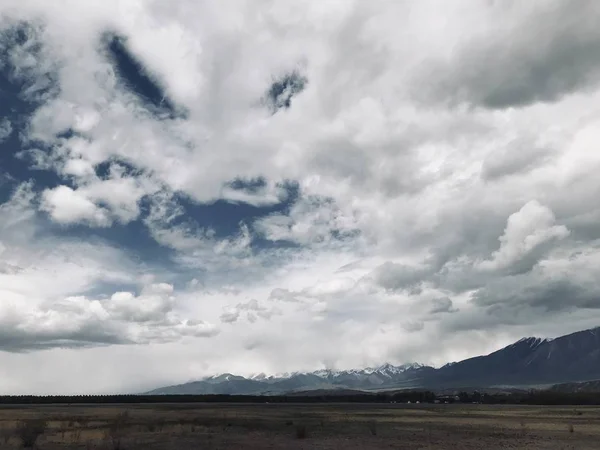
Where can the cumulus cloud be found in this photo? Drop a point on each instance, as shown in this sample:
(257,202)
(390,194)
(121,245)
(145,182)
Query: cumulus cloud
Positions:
(356,174)
(66,205)
(153,303)
(230,315)
(526,237)
(78,321)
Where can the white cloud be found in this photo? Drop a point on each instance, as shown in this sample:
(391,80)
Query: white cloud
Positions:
(269,194)
(96,202)
(79,321)
(45,283)
(153,303)
(79,168)
(18,210)
(311,221)
(67,206)
(527,231)
(252,309)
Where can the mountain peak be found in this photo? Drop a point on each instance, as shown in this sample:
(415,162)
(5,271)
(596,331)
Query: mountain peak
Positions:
(532,341)
(258,376)
(224,377)
(387,367)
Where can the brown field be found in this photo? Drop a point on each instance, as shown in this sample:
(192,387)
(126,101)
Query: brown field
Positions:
(295,426)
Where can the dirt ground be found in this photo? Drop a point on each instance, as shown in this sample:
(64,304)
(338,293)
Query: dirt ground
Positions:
(294,426)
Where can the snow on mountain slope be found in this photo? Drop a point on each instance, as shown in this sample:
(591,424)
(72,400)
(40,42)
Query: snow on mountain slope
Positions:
(386,370)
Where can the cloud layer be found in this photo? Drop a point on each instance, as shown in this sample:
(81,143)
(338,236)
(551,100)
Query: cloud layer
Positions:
(262,187)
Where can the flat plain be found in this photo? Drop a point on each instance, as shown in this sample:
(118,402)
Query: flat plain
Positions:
(300,426)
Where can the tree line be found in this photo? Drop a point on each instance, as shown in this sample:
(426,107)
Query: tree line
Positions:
(528,398)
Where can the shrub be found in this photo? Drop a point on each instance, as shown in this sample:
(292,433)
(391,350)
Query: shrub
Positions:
(372,428)
(301,432)
(28,431)
(116,430)
(159,424)
(83,422)
(76,436)
(6,434)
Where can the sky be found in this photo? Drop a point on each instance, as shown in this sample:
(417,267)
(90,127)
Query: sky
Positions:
(196,187)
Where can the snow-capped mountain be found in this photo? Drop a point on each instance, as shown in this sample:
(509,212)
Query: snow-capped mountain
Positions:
(385,376)
(528,362)
(386,371)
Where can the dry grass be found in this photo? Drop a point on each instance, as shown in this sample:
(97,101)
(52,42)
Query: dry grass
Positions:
(28,431)
(349,426)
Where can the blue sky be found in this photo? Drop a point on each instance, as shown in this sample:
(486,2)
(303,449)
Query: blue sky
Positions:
(233,187)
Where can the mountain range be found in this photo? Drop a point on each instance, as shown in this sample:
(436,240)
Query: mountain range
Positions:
(528,362)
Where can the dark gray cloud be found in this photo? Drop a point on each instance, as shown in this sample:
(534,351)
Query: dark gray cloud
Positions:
(496,317)
(395,277)
(518,157)
(284,295)
(81,322)
(442,305)
(413,327)
(550,51)
(96,333)
(16,339)
(230,316)
(560,292)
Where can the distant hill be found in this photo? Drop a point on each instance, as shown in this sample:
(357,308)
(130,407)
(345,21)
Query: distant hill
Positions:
(529,362)
(569,388)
